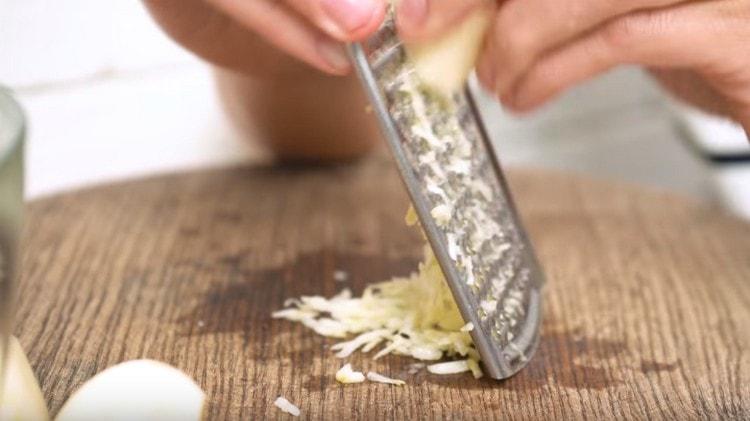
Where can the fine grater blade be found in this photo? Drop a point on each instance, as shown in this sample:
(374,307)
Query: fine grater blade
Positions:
(454,179)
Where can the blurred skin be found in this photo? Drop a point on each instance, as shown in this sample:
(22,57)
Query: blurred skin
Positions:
(282,61)
(537,49)
(280,75)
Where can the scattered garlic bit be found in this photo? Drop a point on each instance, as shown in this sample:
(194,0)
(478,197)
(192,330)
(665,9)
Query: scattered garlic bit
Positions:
(442,214)
(379,378)
(283,404)
(346,375)
(468,327)
(340,276)
(414,316)
(450,367)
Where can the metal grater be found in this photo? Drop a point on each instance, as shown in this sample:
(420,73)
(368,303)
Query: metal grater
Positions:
(454,179)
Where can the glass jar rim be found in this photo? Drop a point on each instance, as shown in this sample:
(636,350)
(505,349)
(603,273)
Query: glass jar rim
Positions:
(12,123)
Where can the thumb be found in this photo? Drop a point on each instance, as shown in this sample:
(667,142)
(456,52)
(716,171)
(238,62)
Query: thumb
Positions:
(344,20)
(420,20)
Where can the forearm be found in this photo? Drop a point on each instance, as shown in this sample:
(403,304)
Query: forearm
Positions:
(299,114)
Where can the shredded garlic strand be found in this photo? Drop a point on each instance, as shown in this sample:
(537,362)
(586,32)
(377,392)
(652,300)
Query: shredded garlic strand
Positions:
(285,406)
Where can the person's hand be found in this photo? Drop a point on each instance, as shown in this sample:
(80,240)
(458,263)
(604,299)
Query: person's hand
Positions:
(227,32)
(536,49)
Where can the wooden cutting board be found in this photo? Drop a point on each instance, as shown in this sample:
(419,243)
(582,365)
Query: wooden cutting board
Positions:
(647,306)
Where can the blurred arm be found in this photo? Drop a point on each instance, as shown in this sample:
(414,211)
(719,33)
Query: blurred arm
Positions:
(298,112)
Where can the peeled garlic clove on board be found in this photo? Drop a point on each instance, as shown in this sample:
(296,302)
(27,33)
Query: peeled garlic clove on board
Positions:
(136,390)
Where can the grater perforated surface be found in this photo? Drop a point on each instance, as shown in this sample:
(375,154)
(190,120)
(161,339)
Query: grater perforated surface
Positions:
(455,182)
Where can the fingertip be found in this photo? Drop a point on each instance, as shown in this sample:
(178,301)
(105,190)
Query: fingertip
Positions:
(525,98)
(521,110)
(352,20)
(334,60)
(411,16)
(424,20)
(516,109)
(744,120)
(330,70)
(376,20)
(506,102)
(339,72)
(486,73)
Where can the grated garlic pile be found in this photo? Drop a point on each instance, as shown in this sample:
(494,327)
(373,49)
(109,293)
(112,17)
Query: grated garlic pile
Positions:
(414,316)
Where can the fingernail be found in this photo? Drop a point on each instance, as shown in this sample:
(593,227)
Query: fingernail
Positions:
(349,15)
(414,12)
(333,53)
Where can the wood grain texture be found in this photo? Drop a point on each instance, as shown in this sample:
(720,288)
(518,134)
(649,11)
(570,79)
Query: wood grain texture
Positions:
(647,306)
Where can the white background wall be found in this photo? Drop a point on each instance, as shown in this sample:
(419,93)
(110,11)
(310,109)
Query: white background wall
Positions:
(108,97)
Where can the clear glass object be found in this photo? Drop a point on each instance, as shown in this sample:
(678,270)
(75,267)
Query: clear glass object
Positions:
(12,129)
